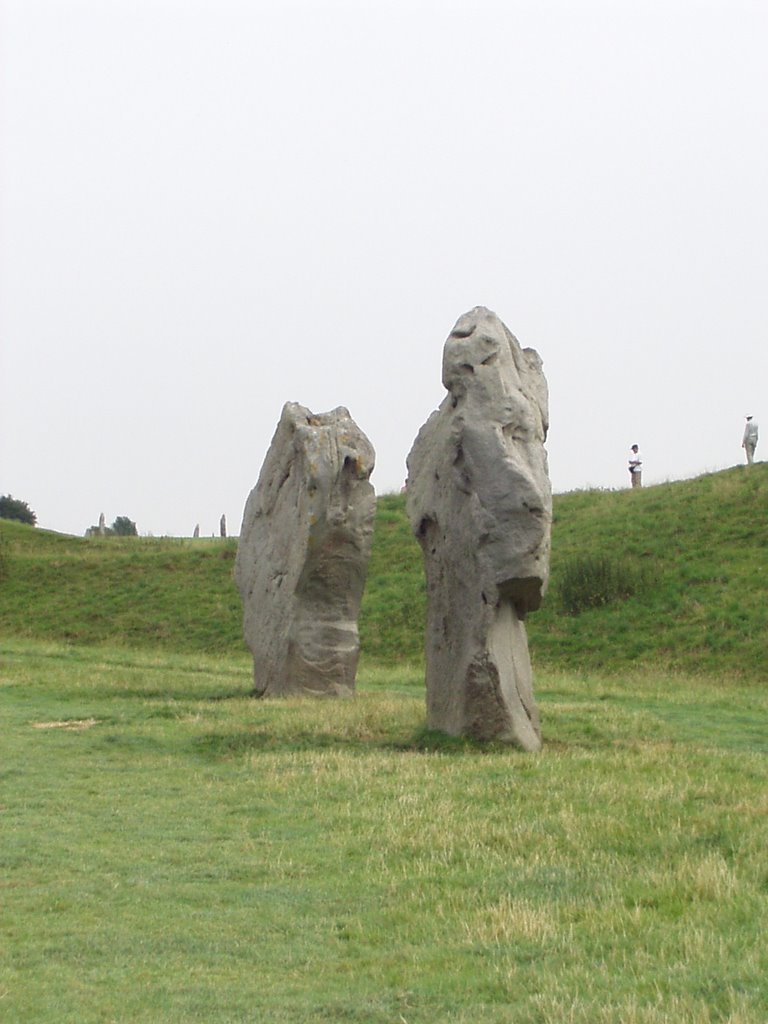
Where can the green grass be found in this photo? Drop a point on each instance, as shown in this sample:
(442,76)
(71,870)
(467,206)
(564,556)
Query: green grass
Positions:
(702,544)
(392,615)
(175,851)
(141,592)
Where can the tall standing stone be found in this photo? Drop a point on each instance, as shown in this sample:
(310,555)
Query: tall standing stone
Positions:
(303,554)
(480,504)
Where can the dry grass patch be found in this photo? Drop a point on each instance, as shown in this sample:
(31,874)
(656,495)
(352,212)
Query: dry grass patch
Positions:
(74,724)
(510,919)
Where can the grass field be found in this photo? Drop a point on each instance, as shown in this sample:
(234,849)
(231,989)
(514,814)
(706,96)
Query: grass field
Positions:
(173,850)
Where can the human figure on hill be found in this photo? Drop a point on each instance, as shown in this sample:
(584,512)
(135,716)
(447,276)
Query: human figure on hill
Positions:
(635,464)
(749,440)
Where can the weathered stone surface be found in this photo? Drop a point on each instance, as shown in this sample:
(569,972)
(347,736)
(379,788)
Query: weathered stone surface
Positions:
(480,503)
(303,554)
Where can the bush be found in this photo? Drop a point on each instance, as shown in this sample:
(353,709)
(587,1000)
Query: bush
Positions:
(124,527)
(14,508)
(592,581)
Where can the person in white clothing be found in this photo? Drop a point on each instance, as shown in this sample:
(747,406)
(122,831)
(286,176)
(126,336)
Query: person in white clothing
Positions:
(749,441)
(635,466)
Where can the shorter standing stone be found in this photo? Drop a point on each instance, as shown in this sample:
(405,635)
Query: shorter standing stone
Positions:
(303,554)
(223,526)
(196,534)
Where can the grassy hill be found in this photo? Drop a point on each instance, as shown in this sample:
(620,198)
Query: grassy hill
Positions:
(702,547)
(697,549)
(133,591)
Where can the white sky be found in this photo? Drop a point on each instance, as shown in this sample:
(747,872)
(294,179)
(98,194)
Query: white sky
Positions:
(211,207)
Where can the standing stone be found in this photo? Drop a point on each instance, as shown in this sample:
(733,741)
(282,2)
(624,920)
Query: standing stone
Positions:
(223,526)
(480,504)
(303,554)
(102,526)
(196,534)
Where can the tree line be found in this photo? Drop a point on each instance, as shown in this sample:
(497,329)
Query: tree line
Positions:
(15,508)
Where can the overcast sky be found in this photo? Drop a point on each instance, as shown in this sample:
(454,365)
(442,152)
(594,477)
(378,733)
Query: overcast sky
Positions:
(211,207)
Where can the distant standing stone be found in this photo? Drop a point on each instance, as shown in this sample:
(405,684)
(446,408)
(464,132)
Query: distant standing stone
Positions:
(102,525)
(223,526)
(480,504)
(303,554)
(196,534)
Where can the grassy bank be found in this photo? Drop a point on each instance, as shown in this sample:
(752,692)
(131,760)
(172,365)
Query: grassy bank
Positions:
(174,851)
(701,546)
(136,591)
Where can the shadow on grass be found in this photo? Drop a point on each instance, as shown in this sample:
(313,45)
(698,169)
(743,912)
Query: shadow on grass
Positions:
(223,746)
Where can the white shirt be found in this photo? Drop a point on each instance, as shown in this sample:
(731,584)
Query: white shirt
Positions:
(750,432)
